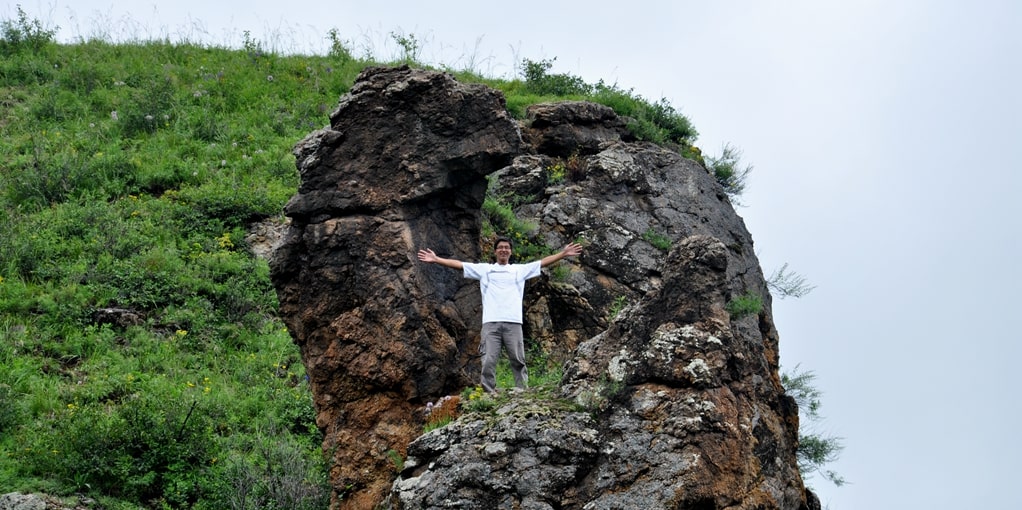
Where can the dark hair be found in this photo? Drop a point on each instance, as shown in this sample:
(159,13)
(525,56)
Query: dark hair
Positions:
(503,240)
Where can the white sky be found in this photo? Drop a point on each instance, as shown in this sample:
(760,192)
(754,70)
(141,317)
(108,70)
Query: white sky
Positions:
(885,140)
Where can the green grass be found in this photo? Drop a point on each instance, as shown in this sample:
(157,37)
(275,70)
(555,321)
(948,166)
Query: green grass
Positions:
(130,173)
(746,304)
(544,372)
(616,307)
(658,240)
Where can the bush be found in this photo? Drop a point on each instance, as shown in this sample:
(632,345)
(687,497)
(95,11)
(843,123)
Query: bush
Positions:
(500,220)
(151,106)
(657,122)
(616,307)
(815,450)
(276,472)
(746,304)
(658,240)
(729,172)
(235,199)
(539,81)
(150,447)
(789,284)
(24,35)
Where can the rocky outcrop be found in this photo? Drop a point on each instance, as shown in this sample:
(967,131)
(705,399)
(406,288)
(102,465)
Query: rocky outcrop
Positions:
(402,166)
(18,501)
(573,128)
(696,419)
(668,399)
(685,417)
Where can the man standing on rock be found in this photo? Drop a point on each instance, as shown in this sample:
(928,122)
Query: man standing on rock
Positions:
(503,287)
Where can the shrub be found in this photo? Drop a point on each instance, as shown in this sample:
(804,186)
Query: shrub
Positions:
(24,34)
(746,304)
(500,220)
(476,399)
(576,167)
(152,104)
(616,307)
(572,169)
(788,284)
(398,461)
(658,240)
(539,81)
(149,447)
(560,272)
(555,173)
(814,450)
(729,172)
(269,471)
(598,397)
(338,48)
(138,212)
(657,122)
(236,199)
(410,47)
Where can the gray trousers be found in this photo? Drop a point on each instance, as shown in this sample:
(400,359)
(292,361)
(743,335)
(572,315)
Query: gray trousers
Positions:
(508,335)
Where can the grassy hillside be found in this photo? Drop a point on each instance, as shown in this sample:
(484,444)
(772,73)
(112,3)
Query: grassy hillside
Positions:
(129,175)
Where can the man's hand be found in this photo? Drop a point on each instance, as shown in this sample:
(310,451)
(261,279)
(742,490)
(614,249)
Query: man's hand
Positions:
(427,256)
(572,249)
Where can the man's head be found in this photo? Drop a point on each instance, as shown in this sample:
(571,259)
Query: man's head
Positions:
(502,250)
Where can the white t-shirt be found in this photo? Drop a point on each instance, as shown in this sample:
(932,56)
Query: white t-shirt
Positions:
(502,287)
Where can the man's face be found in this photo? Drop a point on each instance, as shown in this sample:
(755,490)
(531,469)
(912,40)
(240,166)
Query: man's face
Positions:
(503,252)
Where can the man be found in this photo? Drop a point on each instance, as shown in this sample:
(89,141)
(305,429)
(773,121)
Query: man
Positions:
(503,287)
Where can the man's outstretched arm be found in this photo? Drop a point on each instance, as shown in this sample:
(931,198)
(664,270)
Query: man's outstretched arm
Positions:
(570,250)
(429,257)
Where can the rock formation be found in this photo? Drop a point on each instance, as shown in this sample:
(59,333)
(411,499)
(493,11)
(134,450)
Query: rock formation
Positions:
(671,402)
(402,166)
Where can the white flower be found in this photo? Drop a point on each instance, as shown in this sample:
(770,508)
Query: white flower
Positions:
(113,115)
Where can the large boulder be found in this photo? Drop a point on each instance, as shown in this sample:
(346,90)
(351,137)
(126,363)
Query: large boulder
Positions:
(668,408)
(401,167)
(628,203)
(572,127)
(19,501)
(669,400)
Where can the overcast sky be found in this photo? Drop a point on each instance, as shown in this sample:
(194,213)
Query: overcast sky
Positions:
(886,143)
